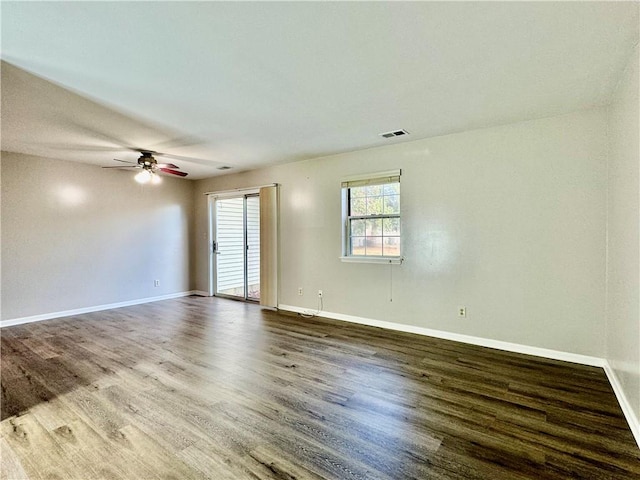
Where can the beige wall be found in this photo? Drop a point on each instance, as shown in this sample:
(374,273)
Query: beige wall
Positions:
(623,259)
(507,221)
(0,237)
(76,236)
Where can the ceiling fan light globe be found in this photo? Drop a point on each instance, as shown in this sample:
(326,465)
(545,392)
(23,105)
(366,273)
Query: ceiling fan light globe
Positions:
(156,179)
(144,176)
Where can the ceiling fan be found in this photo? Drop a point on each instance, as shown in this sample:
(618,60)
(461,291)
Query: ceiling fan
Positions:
(150,168)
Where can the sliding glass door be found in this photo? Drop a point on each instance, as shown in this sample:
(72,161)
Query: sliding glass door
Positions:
(252,261)
(237,247)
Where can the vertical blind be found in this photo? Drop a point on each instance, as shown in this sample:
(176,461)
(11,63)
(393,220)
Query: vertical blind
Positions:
(269,246)
(230,240)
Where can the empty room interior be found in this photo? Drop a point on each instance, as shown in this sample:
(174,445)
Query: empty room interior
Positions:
(320,240)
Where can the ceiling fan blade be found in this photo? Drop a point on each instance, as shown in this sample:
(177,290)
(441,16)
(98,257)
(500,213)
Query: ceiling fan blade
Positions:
(183,141)
(199,161)
(123,166)
(124,161)
(103,136)
(173,172)
(167,165)
(81,148)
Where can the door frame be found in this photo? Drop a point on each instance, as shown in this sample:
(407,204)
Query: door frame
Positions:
(212,197)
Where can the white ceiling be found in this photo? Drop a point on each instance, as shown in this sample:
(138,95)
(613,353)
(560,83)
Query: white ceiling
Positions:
(248,84)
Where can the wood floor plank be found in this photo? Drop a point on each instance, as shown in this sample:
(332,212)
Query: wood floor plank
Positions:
(11,466)
(165,464)
(39,454)
(92,453)
(209,388)
(213,467)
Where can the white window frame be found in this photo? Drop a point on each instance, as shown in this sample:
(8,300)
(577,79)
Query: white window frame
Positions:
(378,178)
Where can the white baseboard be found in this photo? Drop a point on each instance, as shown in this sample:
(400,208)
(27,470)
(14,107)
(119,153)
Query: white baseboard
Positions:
(95,308)
(200,293)
(630,415)
(458,337)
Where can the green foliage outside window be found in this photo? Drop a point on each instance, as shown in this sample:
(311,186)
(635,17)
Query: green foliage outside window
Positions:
(374,220)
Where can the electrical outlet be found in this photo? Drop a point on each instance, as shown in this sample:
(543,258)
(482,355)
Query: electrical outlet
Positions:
(156,283)
(462,312)
(300,291)
(319,293)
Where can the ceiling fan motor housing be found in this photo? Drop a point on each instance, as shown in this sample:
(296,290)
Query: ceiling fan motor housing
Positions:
(146,160)
(150,165)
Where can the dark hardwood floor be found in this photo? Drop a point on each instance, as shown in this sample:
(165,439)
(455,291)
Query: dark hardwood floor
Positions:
(210,388)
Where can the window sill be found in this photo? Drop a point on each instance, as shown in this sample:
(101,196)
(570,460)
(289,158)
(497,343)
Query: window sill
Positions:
(385,260)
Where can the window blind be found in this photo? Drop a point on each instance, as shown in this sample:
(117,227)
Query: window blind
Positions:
(269,246)
(379,178)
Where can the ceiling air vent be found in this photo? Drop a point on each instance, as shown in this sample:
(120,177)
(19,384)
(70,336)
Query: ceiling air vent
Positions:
(394,133)
(224,167)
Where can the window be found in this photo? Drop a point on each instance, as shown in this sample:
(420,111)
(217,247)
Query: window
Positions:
(371,212)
